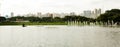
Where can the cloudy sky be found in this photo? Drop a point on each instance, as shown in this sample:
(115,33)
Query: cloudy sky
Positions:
(58,6)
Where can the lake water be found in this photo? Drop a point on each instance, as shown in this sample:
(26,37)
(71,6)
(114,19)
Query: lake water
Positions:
(59,36)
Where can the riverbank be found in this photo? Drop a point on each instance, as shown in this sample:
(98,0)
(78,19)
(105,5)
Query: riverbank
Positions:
(33,23)
(54,23)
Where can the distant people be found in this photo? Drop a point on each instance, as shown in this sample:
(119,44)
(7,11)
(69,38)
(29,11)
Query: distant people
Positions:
(23,25)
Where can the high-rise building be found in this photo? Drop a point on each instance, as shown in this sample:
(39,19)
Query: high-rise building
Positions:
(97,12)
(92,14)
(87,13)
(39,14)
(12,14)
(72,14)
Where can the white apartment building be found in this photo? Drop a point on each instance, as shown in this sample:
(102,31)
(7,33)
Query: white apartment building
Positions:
(92,14)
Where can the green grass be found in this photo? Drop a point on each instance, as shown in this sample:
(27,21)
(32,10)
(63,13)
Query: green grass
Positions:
(33,23)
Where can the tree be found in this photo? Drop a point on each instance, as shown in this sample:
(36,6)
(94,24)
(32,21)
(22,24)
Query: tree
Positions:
(47,19)
(58,19)
(110,15)
(77,18)
(2,19)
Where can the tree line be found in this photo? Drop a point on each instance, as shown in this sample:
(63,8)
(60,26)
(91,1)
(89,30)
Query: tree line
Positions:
(51,19)
(109,16)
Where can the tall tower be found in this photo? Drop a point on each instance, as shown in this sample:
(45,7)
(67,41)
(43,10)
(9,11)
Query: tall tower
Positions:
(87,13)
(97,12)
(12,14)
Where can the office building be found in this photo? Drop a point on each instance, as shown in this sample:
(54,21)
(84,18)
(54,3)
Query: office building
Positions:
(39,14)
(12,14)
(87,13)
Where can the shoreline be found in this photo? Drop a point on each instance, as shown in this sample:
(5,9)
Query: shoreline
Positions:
(33,23)
(48,23)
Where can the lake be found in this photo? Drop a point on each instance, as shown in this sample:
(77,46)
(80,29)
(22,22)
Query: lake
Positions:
(59,36)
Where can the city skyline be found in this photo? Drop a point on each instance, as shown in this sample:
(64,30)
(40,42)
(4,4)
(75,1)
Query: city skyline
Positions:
(86,13)
(55,6)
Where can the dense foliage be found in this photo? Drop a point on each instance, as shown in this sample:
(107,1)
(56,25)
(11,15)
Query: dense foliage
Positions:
(111,16)
(50,19)
(2,19)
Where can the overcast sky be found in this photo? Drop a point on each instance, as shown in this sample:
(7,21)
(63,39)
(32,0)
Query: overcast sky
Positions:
(55,6)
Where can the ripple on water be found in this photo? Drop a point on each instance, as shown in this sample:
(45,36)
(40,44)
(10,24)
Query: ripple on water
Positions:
(59,36)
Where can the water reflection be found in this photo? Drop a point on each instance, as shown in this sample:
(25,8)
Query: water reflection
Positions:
(59,36)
